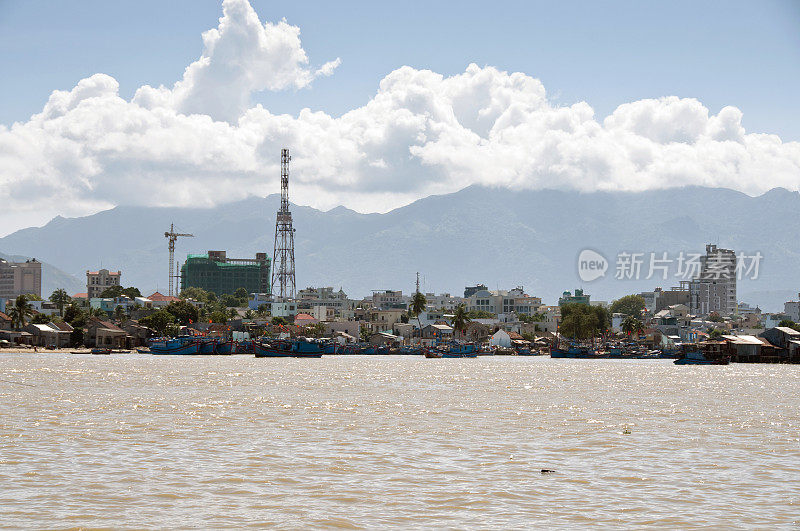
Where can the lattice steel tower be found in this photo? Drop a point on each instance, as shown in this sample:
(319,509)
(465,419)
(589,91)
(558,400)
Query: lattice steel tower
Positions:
(283,252)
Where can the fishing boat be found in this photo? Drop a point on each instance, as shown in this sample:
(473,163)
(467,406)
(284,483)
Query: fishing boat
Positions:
(101,351)
(224,347)
(183,346)
(453,350)
(143,351)
(707,353)
(284,348)
(208,346)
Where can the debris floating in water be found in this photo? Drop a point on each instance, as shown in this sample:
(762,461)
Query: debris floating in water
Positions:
(548,471)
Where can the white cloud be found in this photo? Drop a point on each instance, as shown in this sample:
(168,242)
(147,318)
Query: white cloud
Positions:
(421,133)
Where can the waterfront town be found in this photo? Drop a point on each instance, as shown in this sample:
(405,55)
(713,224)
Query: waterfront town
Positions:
(232,299)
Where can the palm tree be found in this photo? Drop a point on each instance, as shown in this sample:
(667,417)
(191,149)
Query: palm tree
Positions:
(119,313)
(19,311)
(632,325)
(418,302)
(61,299)
(460,319)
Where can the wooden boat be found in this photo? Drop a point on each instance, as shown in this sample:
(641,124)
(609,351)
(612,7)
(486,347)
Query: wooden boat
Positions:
(296,348)
(101,351)
(179,347)
(707,353)
(143,351)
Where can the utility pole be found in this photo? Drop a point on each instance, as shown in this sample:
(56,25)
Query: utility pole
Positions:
(283,251)
(171,237)
(417,281)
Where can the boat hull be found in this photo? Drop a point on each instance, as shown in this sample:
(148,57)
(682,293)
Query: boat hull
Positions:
(187,349)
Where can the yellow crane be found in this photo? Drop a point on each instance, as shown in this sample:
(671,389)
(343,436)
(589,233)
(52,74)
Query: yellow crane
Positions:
(172,236)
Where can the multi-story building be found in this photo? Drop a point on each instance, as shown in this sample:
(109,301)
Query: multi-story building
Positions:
(792,309)
(217,273)
(714,288)
(579,298)
(469,291)
(445,300)
(310,298)
(500,301)
(388,300)
(99,281)
(20,278)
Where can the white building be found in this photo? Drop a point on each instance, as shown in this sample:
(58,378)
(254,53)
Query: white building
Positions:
(99,281)
(792,309)
(20,278)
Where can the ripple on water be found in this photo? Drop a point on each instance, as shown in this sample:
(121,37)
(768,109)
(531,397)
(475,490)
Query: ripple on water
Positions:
(137,441)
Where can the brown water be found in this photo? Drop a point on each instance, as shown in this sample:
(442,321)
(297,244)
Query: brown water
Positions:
(349,441)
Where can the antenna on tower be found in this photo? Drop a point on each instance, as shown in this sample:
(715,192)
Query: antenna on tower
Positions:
(283,251)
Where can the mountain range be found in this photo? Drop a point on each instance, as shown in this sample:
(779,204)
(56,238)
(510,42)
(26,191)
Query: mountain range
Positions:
(499,237)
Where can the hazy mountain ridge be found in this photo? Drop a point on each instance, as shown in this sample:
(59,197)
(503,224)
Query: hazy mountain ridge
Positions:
(492,235)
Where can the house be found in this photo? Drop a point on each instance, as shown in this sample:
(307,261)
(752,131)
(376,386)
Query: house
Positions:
(382,320)
(785,338)
(476,331)
(105,334)
(303,319)
(384,338)
(48,334)
(159,300)
(137,333)
(437,332)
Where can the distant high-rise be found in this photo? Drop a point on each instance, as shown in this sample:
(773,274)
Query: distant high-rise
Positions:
(217,273)
(714,288)
(283,278)
(20,278)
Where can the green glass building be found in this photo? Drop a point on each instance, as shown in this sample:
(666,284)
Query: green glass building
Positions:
(215,272)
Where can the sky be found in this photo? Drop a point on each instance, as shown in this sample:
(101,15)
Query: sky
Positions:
(187,103)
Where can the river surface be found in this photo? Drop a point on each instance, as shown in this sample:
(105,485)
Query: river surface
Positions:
(140,441)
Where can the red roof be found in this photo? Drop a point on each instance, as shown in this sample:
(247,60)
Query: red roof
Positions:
(303,317)
(81,296)
(110,273)
(158,297)
(4,317)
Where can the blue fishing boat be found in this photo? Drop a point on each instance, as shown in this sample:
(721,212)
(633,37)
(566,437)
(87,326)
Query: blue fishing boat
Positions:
(208,346)
(177,346)
(224,347)
(453,350)
(282,348)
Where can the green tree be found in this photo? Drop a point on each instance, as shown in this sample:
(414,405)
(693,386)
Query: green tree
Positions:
(632,305)
(404,317)
(40,318)
(580,321)
(240,293)
(198,294)
(278,321)
(229,301)
(119,313)
(233,314)
(19,311)
(263,310)
(632,325)
(417,306)
(460,319)
(715,317)
(480,314)
(788,323)
(714,333)
(364,333)
(72,313)
(60,298)
(33,297)
(249,314)
(158,321)
(76,337)
(185,312)
(218,316)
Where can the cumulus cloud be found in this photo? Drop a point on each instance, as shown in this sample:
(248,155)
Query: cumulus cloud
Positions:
(200,142)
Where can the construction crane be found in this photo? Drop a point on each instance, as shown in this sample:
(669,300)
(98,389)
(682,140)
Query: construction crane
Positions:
(172,236)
